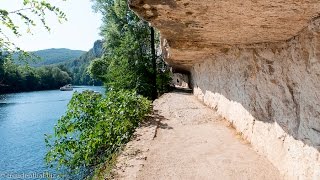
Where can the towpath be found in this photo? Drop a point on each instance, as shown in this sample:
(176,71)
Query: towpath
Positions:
(187,140)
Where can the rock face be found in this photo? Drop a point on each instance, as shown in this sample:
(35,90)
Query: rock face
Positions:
(194,30)
(271,94)
(97,49)
(180,80)
(257,63)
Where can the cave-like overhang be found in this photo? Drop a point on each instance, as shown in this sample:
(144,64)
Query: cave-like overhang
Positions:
(195,30)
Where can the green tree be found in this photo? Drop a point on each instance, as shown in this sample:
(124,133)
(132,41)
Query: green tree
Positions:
(30,79)
(79,67)
(128,59)
(46,78)
(2,61)
(60,77)
(93,129)
(97,68)
(14,78)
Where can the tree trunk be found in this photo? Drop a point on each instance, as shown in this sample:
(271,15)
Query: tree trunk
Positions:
(154,65)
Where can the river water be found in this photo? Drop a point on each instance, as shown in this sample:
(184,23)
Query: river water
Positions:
(24,119)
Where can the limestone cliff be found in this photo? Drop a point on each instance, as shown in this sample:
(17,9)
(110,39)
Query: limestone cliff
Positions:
(257,63)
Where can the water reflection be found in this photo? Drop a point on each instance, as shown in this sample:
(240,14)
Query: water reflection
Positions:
(24,119)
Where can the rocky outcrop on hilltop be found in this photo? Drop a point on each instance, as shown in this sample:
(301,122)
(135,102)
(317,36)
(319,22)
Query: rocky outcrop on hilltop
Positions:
(97,49)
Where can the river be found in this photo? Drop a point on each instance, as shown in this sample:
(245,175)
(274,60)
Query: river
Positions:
(24,119)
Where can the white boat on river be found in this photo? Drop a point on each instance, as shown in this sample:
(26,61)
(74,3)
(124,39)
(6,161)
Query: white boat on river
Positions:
(67,87)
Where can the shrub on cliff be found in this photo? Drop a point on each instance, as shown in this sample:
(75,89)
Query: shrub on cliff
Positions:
(93,129)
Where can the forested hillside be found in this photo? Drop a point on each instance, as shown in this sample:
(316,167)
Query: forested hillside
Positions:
(52,56)
(17,78)
(78,67)
(58,67)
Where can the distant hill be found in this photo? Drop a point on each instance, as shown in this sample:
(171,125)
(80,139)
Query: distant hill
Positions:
(54,56)
(78,66)
(74,62)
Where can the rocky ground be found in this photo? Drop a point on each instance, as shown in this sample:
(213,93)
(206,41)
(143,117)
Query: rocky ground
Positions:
(184,139)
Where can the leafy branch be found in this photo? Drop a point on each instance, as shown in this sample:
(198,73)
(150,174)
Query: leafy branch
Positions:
(32,13)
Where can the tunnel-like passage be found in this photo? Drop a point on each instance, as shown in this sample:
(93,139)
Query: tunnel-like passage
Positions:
(257,63)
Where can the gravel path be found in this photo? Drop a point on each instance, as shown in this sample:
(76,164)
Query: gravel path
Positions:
(186,140)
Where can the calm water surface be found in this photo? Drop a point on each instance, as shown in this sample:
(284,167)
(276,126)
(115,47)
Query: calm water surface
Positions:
(24,119)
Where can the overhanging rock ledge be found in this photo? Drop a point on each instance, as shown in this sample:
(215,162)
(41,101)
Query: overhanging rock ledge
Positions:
(194,30)
(256,62)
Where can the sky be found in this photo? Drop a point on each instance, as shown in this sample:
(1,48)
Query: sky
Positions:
(78,33)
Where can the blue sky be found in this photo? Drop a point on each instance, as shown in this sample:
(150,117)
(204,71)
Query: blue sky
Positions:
(79,32)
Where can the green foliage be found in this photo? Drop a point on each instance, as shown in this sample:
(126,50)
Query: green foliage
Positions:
(52,56)
(163,81)
(79,66)
(15,78)
(31,13)
(127,63)
(97,68)
(93,128)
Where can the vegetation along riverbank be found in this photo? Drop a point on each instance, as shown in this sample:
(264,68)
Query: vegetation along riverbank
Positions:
(95,126)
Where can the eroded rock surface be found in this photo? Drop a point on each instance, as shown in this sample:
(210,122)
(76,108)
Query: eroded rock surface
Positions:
(271,94)
(180,80)
(195,30)
(257,63)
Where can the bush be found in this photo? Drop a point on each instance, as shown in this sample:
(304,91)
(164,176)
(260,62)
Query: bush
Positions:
(163,82)
(93,129)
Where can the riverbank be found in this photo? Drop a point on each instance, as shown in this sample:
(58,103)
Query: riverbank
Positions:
(24,119)
(184,139)
(12,91)
(39,90)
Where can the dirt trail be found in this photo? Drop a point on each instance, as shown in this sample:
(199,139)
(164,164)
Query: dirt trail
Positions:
(187,140)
